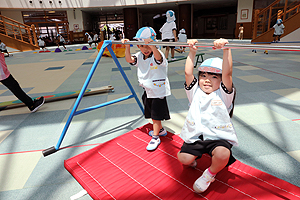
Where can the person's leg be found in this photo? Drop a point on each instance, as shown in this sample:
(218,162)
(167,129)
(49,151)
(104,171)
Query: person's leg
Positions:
(220,158)
(186,158)
(172,52)
(167,52)
(156,126)
(15,88)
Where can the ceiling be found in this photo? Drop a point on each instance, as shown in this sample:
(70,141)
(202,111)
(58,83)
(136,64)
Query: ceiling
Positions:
(163,7)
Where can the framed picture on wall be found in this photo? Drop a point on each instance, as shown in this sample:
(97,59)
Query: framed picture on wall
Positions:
(244,13)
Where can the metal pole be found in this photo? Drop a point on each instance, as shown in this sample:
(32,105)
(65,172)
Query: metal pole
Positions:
(209,45)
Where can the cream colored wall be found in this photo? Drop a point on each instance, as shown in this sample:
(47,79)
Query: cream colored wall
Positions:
(77,19)
(13,14)
(245,6)
(292,37)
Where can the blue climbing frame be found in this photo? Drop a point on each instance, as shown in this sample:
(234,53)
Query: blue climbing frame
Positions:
(106,44)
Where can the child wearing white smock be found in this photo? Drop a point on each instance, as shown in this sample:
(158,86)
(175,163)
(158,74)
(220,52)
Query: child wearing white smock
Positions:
(152,71)
(208,127)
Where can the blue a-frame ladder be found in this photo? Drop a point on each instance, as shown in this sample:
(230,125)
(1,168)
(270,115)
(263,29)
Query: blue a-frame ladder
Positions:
(106,44)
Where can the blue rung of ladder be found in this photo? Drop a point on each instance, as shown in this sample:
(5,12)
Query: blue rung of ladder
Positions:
(106,44)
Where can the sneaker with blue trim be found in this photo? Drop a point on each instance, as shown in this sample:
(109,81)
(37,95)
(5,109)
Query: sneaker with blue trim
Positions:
(162,132)
(153,144)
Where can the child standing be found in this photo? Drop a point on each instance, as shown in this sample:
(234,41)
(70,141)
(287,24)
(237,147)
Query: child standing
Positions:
(96,39)
(182,38)
(168,33)
(3,48)
(61,40)
(208,127)
(152,69)
(8,80)
(89,38)
(241,33)
(278,30)
(41,43)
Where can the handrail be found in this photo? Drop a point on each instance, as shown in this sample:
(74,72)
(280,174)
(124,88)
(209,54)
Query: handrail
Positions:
(18,31)
(265,18)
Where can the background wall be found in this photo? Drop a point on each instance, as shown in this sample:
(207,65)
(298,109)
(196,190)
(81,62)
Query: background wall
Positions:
(13,14)
(244,11)
(75,19)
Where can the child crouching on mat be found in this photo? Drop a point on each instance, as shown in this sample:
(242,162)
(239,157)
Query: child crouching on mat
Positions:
(208,127)
(152,69)
(8,80)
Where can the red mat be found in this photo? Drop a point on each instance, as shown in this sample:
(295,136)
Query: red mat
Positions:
(123,169)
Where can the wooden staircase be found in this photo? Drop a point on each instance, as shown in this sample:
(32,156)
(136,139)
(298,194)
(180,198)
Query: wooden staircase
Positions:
(17,35)
(264,19)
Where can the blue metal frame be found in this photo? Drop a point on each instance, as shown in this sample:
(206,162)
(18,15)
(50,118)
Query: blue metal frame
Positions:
(106,44)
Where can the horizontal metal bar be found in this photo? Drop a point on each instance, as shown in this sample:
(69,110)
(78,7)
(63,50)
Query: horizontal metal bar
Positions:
(209,45)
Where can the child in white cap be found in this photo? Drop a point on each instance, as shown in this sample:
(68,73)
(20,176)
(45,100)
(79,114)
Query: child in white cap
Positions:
(41,43)
(152,70)
(182,37)
(61,41)
(208,127)
(89,38)
(168,33)
(278,30)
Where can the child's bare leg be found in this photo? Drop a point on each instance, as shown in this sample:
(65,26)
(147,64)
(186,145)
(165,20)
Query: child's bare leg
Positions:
(167,52)
(220,158)
(172,52)
(155,141)
(156,126)
(186,158)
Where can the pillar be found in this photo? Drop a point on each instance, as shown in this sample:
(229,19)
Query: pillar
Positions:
(130,22)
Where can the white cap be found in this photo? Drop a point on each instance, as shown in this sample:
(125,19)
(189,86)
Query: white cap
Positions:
(213,65)
(279,21)
(145,33)
(182,31)
(170,16)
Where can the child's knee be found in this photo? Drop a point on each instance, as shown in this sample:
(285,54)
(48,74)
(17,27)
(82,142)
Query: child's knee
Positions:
(185,158)
(221,153)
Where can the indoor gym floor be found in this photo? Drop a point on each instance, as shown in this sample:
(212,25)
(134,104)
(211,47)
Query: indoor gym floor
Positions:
(266,115)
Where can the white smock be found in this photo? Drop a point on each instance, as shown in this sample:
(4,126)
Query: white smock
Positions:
(209,116)
(167,30)
(152,76)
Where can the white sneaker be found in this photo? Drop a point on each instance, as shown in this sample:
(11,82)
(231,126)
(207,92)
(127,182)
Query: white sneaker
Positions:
(162,132)
(153,144)
(202,183)
(173,59)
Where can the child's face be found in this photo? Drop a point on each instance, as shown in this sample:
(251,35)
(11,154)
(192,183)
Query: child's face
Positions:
(209,82)
(145,49)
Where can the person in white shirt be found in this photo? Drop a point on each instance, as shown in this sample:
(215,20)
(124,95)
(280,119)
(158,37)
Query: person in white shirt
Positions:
(208,127)
(182,37)
(152,70)
(41,43)
(61,41)
(89,38)
(96,39)
(278,30)
(3,48)
(168,33)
